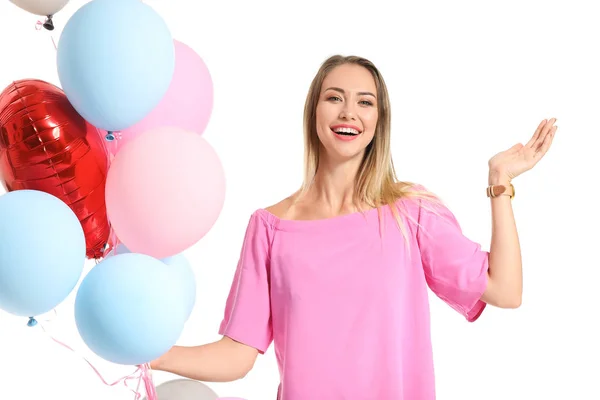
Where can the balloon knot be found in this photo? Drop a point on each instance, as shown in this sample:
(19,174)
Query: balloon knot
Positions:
(32,322)
(48,24)
(110,136)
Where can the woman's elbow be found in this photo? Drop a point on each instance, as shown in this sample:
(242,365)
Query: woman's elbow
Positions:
(233,375)
(502,298)
(504,302)
(512,302)
(244,370)
(508,300)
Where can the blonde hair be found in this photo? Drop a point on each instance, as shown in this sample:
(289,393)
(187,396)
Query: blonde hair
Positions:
(376,183)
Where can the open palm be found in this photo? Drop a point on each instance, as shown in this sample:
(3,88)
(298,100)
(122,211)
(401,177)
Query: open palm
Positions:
(520,158)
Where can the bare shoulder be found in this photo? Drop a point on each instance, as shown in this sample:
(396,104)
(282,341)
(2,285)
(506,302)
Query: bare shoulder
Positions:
(282,208)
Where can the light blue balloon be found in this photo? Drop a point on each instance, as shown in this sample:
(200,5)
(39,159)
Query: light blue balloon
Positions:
(116,60)
(42,252)
(182,271)
(127,311)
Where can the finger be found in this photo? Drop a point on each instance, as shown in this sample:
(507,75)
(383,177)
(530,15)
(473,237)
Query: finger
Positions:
(545,146)
(536,134)
(542,137)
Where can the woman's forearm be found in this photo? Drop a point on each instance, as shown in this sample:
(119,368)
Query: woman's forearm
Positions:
(505,276)
(221,361)
(505,284)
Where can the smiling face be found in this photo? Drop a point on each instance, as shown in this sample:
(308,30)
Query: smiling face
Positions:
(346,113)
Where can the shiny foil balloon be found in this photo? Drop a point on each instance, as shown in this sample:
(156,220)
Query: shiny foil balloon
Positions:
(46,145)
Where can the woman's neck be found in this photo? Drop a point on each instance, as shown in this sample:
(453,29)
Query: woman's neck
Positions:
(334,185)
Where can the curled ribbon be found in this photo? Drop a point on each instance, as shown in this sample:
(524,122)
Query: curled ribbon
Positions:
(142,373)
(39,25)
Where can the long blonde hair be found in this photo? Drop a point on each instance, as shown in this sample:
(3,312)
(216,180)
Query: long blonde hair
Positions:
(376,183)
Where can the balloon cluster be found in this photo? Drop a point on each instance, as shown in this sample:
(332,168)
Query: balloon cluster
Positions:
(111,167)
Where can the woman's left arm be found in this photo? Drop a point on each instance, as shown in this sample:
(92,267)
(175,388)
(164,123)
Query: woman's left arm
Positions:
(505,276)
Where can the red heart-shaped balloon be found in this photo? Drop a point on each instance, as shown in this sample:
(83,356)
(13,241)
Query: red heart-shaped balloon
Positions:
(46,145)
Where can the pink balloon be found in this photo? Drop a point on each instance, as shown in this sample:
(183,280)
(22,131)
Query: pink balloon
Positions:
(188,102)
(164,191)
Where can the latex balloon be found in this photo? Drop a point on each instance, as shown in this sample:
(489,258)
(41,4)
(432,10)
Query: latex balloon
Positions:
(187,104)
(41,7)
(181,268)
(184,389)
(165,191)
(42,252)
(127,309)
(46,145)
(115,61)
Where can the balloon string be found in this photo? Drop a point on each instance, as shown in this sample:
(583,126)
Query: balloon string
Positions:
(146,374)
(38,26)
(141,373)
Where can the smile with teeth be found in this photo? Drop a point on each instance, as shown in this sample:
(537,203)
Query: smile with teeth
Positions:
(346,131)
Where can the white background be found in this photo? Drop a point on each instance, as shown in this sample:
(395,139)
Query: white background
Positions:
(467,79)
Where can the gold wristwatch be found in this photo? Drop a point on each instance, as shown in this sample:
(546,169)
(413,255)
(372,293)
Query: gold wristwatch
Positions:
(500,190)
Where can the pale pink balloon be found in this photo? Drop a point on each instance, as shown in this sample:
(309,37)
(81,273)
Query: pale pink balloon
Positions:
(188,102)
(164,191)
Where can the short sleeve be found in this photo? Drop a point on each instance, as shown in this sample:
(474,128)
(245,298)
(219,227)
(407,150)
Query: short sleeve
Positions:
(455,267)
(247,316)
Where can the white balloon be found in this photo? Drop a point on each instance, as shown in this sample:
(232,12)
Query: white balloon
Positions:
(41,7)
(184,389)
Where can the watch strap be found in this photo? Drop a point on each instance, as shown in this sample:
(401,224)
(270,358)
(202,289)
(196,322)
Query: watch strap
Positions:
(500,190)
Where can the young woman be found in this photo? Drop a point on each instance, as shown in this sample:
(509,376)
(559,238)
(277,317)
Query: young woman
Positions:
(336,275)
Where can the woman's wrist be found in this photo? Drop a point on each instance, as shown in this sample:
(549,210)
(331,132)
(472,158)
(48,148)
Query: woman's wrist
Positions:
(497,177)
